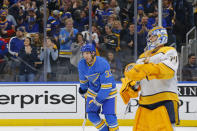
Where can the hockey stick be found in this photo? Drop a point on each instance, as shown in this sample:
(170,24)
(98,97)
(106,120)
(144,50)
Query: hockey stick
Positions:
(135,88)
(127,108)
(85,118)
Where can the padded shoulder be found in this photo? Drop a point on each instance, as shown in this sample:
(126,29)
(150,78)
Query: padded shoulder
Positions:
(164,50)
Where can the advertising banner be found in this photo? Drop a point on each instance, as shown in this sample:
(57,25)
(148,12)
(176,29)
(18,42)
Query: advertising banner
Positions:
(187,109)
(62,101)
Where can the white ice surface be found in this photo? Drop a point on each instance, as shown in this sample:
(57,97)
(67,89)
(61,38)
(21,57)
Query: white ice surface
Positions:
(75,128)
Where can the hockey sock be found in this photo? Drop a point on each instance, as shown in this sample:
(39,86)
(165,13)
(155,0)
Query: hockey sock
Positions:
(98,122)
(112,122)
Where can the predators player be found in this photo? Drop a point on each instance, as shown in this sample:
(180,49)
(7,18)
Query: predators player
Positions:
(97,82)
(154,76)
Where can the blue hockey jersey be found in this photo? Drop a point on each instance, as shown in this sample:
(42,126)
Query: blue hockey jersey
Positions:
(97,79)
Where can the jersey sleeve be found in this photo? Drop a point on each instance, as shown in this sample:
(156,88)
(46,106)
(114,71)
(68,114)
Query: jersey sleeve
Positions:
(106,80)
(170,60)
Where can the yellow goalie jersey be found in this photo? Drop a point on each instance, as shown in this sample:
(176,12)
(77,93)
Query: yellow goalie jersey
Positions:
(158,80)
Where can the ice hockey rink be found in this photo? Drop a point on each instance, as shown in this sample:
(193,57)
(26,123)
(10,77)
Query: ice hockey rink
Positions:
(75,128)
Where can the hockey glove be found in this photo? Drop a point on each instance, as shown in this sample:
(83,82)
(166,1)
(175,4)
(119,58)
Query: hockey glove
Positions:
(129,89)
(83,93)
(94,105)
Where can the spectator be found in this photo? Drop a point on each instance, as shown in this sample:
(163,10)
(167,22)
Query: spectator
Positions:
(149,7)
(127,10)
(111,19)
(153,19)
(53,22)
(37,41)
(103,13)
(31,26)
(115,7)
(10,18)
(6,27)
(127,45)
(3,53)
(53,4)
(14,9)
(115,64)
(66,38)
(168,15)
(189,14)
(77,4)
(51,62)
(117,27)
(179,28)
(17,42)
(189,71)
(6,3)
(143,29)
(95,38)
(15,45)
(63,18)
(140,13)
(80,20)
(144,26)
(125,24)
(76,47)
(21,17)
(110,40)
(27,57)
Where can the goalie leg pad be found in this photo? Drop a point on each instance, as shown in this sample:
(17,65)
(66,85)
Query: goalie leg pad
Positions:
(152,120)
(98,122)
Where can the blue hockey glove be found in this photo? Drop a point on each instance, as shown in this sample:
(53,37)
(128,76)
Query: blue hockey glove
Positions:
(94,105)
(83,93)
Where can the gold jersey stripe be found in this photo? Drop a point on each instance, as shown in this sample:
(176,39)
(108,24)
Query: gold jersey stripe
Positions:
(114,129)
(106,86)
(145,100)
(100,125)
(112,93)
(90,93)
(83,81)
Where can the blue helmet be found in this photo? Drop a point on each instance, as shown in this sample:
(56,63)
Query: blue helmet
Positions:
(88,48)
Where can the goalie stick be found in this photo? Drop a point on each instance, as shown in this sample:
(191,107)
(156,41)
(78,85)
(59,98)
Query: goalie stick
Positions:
(85,118)
(135,88)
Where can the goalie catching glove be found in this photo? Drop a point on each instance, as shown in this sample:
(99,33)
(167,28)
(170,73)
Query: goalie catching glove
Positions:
(129,89)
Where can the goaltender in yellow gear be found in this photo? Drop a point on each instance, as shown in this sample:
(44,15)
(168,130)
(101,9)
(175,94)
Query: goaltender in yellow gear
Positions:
(154,78)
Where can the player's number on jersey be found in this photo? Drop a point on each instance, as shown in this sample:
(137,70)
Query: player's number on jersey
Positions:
(108,73)
(173,58)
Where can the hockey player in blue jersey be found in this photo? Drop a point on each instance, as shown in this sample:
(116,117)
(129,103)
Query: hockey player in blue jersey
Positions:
(98,84)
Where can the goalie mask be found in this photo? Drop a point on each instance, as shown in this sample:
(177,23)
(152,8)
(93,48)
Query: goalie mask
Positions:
(156,37)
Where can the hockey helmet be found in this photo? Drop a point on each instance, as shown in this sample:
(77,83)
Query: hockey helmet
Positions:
(162,37)
(89,47)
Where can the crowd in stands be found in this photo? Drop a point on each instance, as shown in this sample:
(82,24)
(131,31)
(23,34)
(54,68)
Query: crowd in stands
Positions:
(22,53)
(189,71)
